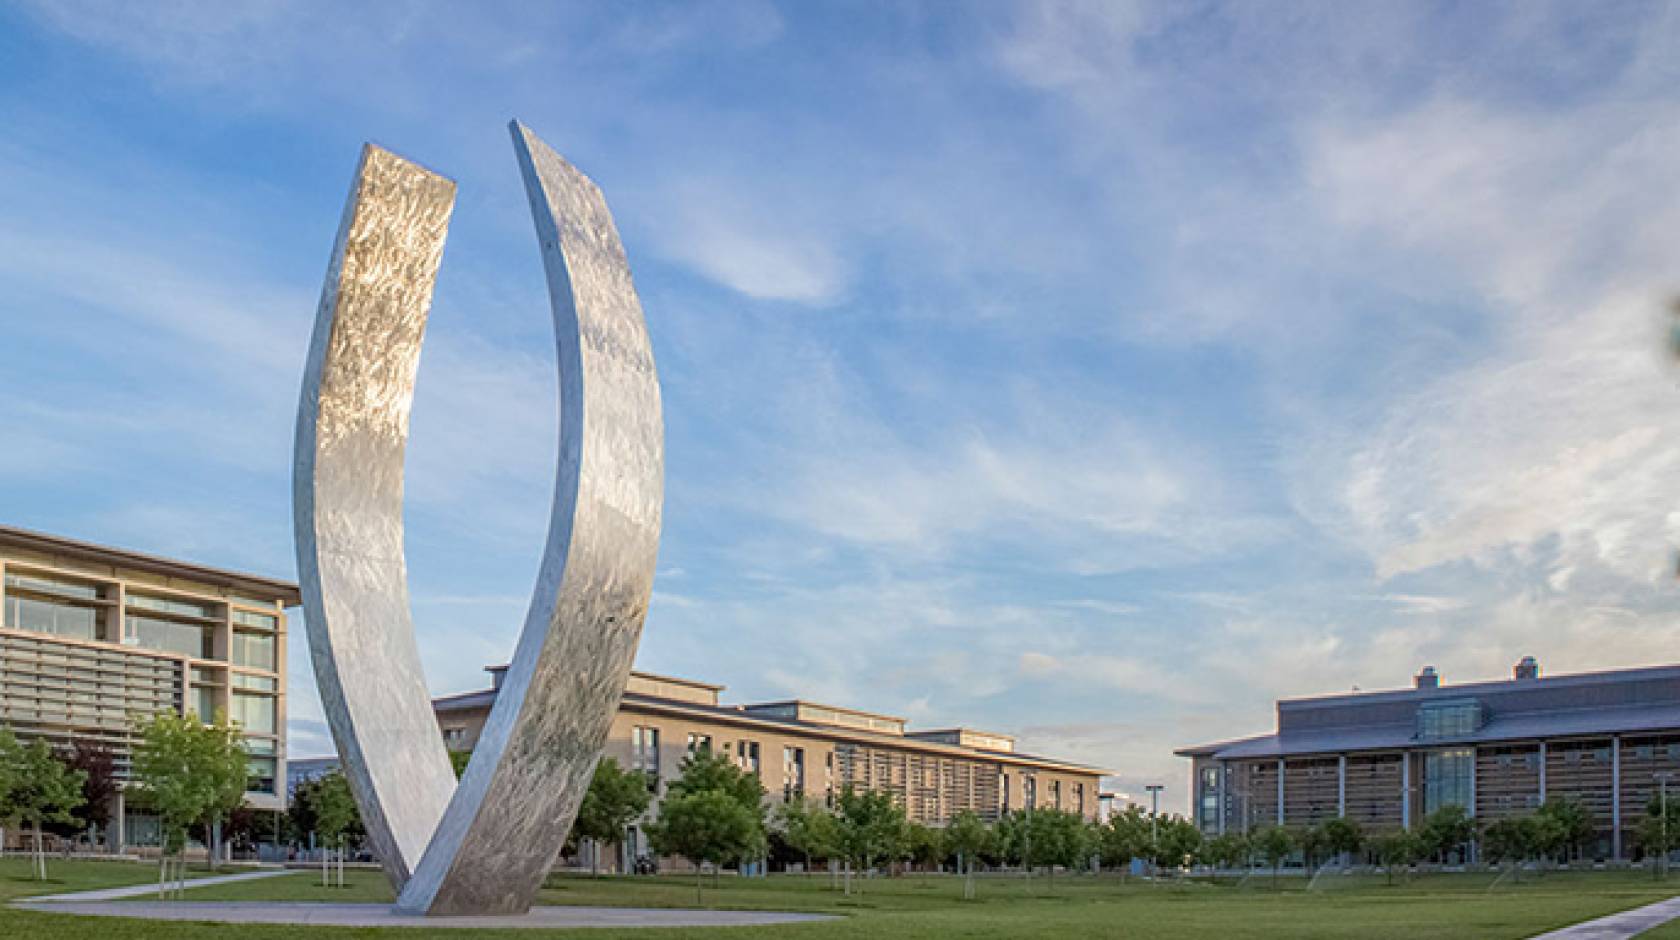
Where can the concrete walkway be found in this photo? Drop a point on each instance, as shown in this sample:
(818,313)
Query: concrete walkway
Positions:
(1619,926)
(381,915)
(135,891)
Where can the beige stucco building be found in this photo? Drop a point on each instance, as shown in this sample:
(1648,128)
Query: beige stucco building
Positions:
(93,636)
(799,747)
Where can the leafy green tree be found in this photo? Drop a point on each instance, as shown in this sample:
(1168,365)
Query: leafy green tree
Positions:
(923,845)
(872,826)
(458,761)
(1273,844)
(1343,836)
(1566,827)
(704,771)
(705,826)
(1123,837)
(1447,830)
(1398,849)
(188,772)
(1312,843)
(10,771)
(1656,834)
(1227,851)
(336,816)
(1177,840)
(1512,839)
(40,788)
(968,836)
(615,798)
(808,828)
(1055,837)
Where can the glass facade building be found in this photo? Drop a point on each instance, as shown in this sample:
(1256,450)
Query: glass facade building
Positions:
(93,638)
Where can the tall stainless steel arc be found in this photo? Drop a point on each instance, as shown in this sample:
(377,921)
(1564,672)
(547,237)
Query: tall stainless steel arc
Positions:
(347,493)
(538,750)
(484,846)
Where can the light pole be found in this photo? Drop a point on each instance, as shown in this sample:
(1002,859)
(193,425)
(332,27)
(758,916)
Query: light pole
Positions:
(1154,812)
(1662,777)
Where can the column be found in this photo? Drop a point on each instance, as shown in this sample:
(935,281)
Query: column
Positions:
(1542,772)
(1616,798)
(116,834)
(1280,792)
(1221,792)
(1405,789)
(1341,785)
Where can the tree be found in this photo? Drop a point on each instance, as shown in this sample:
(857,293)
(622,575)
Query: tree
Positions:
(705,826)
(1342,836)
(40,788)
(1401,847)
(872,826)
(100,786)
(1123,837)
(1658,836)
(1447,830)
(188,772)
(1177,841)
(1274,845)
(1054,837)
(1227,851)
(704,771)
(967,835)
(1312,842)
(1511,839)
(615,797)
(9,774)
(923,845)
(1567,827)
(808,828)
(335,814)
(458,761)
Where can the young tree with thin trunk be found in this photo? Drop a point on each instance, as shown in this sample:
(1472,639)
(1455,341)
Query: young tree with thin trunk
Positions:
(42,789)
(809,829)
(336,814)
(615,798)
(1274,845)
(188,773)
(705,827)
(968,836)
(100,787)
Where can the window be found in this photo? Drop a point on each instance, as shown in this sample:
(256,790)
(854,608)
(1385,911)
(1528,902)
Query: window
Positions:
(748,757)
(253,650)
(169,636)
(1030,785)
(1453,718)
(204,703)
(260,772)
(1056,794)
(258,683)
(828,783)
(1003,786)
(170,605)
(699,744)
(42,604)
(1079,798)
(1447,778)
(793,772)
(454,737)
(644,753)
(245,618)
(255,713)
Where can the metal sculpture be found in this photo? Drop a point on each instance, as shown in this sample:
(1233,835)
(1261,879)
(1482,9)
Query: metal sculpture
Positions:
(482,846)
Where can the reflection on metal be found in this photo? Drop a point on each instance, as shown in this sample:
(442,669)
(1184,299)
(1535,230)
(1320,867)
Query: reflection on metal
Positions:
(485,846)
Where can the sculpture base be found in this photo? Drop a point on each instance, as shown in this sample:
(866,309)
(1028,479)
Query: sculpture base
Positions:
(383,915)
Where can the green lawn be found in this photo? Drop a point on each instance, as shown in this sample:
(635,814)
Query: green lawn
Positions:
(1431,906)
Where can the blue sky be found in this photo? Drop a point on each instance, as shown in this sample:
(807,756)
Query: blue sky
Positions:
(1092,372)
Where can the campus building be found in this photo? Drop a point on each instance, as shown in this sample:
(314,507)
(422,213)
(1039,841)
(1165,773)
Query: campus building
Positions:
(803,749)
(1387,759)
(93,637)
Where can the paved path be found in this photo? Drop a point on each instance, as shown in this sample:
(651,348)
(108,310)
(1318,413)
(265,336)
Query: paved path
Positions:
(1619,926)
(134,891)
(381,915)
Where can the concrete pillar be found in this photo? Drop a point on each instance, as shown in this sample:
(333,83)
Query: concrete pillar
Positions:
(116,834)
(1542,771)
(1341,785)
(1280,792)
(1221,791)
(1616,798)
(1405,789)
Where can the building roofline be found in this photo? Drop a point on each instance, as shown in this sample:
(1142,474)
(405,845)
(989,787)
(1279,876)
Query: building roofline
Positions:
(283,591)
(807,703)
(655,676)
(738,715)
(1449,690)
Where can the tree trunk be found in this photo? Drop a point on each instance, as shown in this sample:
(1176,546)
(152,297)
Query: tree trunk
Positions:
(699,884)
(40,855)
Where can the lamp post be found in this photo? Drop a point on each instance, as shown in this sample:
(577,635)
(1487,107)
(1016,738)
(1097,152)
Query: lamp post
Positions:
(1154,812)
(1662,777)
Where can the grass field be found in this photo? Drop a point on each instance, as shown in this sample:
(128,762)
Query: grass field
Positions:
(921,907)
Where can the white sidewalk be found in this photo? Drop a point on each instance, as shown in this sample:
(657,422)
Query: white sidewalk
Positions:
(134,891)
(1619,926)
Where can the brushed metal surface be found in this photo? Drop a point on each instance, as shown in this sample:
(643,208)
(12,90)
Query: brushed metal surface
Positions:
(347,493)
(485,846)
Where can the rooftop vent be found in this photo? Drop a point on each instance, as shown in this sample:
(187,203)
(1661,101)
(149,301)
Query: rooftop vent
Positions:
(1529,668)
(1427,679)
